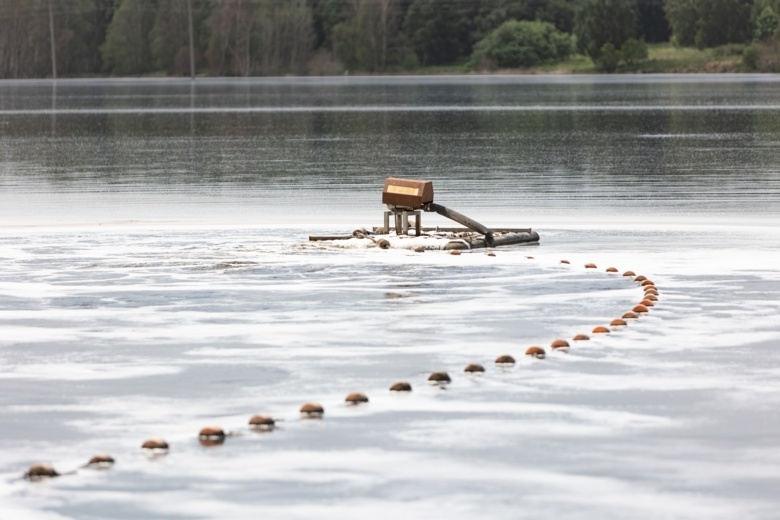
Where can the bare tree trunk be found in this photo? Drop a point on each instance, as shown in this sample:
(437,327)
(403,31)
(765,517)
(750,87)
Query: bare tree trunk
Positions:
(192,44)
(53,45)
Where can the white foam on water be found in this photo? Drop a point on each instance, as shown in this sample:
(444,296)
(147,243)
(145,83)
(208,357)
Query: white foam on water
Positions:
(115,336)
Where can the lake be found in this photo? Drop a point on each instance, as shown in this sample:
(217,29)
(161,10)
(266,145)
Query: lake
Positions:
(157,278)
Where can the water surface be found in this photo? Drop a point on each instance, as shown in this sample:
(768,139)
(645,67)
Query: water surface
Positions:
(157,278)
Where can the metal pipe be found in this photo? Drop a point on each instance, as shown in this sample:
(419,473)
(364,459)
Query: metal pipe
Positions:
(461,219)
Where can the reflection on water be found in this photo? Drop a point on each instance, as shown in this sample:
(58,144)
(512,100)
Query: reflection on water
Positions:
(514,148)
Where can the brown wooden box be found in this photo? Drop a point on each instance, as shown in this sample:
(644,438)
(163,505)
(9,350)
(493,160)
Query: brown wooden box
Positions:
(407,193)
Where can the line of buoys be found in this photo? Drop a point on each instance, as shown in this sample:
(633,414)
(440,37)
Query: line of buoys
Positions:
(215,435)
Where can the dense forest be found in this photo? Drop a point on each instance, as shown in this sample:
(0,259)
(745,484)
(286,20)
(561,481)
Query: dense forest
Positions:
(73,38)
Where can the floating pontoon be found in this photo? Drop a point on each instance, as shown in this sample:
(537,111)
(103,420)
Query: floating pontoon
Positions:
(407,199)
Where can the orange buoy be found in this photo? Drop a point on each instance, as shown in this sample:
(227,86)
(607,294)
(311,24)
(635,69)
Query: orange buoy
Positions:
(401,386)
(101,461)
(506,359)
(630,315)
(211,436)
(455,252)
(156,444)
(474,367)
(581,337)
(565,262)
(439,377)
(419,249)
(41,471)
(601,330)
(651,297)
(618,322)
(640,278)
(262,422)
(356,398)
(559,343)
(537,352)
(612,269)
(629,273)
(647,303)
(312,411)
(590,266)
(640,308)
(647,282)
(654,292)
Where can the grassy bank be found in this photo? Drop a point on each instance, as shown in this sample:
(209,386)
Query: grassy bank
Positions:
(662,58)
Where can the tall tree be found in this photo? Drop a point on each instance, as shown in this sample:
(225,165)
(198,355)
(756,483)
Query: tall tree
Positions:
(601,22)
(170,34)
(230,45)
(440,32)
(285,36)
(368,39)
(723,21)
(653,26)
(683,18)
(127,51)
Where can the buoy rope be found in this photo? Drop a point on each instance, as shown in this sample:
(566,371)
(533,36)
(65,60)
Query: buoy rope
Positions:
(214,435)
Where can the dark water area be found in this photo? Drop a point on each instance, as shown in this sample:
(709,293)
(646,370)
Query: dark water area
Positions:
(260,150)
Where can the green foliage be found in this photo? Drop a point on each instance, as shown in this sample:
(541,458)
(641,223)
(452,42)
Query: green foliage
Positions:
(608,58)
(127,50)
(763,56)
(683,18)
(633,50)
(723,21)
(599,22)
(653,26)
(750,56)
(369,39)
(767,24)
(261,37)
(440,32)
(522,44)
(709,23)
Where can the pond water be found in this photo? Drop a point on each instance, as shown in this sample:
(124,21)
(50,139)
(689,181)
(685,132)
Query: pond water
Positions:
(157,278)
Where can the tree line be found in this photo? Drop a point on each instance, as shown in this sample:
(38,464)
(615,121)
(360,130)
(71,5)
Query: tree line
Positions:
(72,38)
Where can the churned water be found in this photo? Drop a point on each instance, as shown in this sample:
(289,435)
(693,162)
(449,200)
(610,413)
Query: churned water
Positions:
(157,278)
